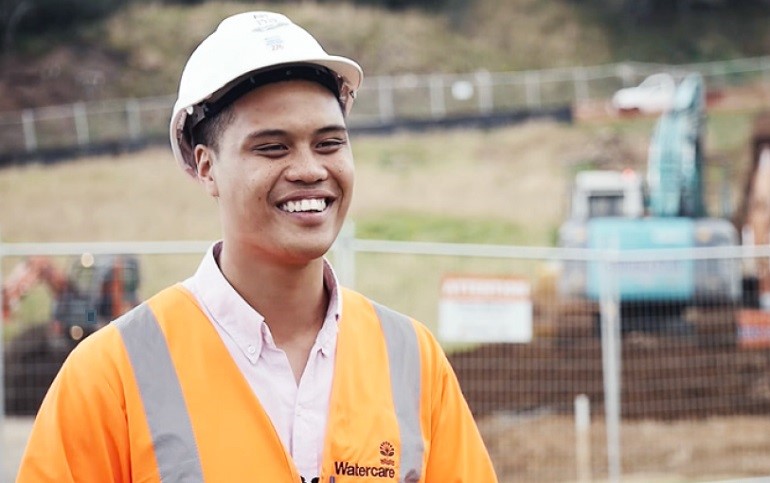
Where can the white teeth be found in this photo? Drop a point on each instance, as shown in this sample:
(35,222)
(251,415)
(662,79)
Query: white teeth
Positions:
(312,204)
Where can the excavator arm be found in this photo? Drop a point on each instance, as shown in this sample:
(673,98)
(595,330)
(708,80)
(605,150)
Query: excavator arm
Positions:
(753,216)
(675,158)
(26,276)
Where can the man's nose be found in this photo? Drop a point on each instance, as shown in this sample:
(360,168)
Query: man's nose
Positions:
(307,167)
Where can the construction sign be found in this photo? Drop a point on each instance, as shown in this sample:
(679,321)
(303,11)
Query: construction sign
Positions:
(485,309)
(753,329)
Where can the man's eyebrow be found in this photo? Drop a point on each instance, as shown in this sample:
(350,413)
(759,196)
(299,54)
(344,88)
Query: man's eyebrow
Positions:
(333,128)
(266,133)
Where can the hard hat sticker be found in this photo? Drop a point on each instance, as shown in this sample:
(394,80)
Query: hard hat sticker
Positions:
(274,43)
(268,21)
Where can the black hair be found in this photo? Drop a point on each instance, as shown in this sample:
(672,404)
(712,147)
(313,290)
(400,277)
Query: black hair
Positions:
(209,130)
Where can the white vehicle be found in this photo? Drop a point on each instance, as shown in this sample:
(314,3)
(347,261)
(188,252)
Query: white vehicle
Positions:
(654,95)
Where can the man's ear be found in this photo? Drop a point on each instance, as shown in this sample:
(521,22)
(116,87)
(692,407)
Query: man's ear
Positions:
(204,162)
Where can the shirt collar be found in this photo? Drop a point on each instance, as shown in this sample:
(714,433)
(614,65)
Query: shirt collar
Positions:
(241,322)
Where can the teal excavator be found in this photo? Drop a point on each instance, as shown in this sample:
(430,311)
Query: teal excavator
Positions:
(670,214)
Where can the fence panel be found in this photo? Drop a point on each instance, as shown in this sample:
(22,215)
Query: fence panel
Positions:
(381,100)
(152,116)
(692,385)
(12,133)
(57,127)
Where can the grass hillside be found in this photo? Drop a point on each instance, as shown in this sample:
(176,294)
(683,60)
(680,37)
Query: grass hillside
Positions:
(140,50)
(480,188)
(505,185)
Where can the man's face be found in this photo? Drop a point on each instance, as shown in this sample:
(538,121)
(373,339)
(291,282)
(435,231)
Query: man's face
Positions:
(283,173)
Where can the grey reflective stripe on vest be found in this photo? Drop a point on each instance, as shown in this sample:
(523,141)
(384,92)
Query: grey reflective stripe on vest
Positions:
(164,405)
(405,375)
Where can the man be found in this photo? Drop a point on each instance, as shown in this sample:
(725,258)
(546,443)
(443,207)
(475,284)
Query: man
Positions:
(260,367)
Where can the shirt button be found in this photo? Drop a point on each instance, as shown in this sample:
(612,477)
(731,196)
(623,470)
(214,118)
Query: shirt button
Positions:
(252,349)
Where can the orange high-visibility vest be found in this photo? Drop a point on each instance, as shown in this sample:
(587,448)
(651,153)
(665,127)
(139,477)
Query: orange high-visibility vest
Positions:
(156,396)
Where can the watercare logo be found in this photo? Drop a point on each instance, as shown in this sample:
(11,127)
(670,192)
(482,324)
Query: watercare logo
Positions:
(354,469)
(386,450)
(385,471)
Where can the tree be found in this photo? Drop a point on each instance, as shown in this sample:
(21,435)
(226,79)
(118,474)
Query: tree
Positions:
(12,12)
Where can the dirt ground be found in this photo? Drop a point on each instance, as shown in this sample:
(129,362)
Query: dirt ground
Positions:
(695,406)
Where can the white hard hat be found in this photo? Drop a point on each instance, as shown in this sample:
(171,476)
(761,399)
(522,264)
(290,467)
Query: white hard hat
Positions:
(241,45)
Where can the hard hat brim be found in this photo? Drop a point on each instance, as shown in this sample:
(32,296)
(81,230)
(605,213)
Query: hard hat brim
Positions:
(350,71)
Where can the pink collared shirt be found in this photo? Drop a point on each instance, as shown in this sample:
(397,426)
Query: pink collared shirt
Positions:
(298,411)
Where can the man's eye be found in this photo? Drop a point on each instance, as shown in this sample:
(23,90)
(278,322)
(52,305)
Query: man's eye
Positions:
(332,143)
(269,148)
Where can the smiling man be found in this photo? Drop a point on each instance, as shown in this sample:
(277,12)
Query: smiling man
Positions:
(260,367)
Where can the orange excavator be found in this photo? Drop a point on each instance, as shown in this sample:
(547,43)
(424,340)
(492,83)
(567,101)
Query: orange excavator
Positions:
(753,220)
(91,293)
(25,276)
(753,215)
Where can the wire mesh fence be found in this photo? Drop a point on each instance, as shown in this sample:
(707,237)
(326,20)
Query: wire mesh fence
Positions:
(121,124)
(676,388)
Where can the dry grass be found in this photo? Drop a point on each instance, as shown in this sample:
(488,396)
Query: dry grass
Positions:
(544,449)
(136,197)
(516,174)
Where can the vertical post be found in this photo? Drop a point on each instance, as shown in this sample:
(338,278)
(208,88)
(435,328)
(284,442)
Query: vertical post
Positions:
(533,89)
(766,75)
(725,205)
(132,117)
(81,123)
(385,98)
(437,105)
(486,94)
(345,255)
(583,438)
(581,84)
(627,74)
(28,128)
(611,362)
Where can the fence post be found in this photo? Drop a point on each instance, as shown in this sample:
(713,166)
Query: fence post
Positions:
(345,255)
(437,105)
(581,84)
(611,360)
(486,94)
(583,438)
(765,67)
(533,89)
(627,74)
(81,123)
(385,98)
(28,128)
(134,121)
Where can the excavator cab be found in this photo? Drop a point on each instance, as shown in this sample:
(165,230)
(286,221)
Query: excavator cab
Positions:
(669,214)
(101,289)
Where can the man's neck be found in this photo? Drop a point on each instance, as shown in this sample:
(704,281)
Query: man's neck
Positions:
(291,298)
